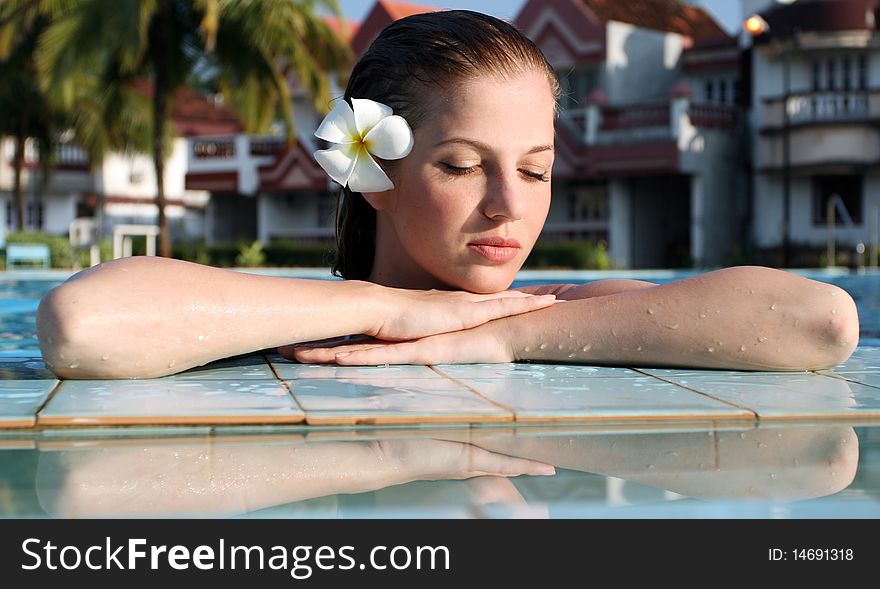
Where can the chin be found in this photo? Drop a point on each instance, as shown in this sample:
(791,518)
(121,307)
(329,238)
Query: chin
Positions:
(486,280)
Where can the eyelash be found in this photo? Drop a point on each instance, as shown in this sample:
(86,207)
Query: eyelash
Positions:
(459,171)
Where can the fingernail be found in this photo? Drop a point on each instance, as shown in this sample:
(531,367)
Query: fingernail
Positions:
(342,354)
(561,301)
(549,296)
(547,470)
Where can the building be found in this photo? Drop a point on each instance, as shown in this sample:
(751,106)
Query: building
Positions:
(815,109)
(648,160)
(127,181)
(648,147)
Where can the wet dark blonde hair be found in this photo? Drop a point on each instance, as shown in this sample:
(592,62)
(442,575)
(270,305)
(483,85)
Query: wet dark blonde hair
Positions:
(409,66)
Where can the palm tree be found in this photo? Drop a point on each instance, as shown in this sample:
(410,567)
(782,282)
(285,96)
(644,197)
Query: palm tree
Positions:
(25,111)
(101,112)
(250,46)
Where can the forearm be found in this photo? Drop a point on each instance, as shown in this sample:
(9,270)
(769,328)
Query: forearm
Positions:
(149,317)
(209,480)
(742,318)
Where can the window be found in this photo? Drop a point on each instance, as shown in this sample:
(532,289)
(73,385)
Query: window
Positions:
(832,74)
(576,85)
(326,209)
(817,75)
(827,188)
(588,204)
(722,91)
(863,71)
(710,91)
(9,213)
(846,73)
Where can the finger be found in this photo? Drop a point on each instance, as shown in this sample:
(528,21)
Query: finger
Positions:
(289,350)
(324,355)
(485,311)
(402,353)
(504,294)
(483,461)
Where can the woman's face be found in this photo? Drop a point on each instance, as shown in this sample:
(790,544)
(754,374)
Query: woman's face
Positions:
(471,198)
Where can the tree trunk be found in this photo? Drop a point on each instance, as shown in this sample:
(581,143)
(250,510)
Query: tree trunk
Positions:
(18,167)
(161,92)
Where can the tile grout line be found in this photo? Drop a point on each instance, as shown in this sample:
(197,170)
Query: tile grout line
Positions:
(844,377)
(707,395)
(285,385)
(49,397)
(475,392)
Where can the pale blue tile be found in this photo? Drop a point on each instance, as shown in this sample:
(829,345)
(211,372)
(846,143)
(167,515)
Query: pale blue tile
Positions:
(679,372)
(532,371)
(598,399)
(863,359)
(253,367)
(169,401)
(784,396)
(20,400)
(392,401)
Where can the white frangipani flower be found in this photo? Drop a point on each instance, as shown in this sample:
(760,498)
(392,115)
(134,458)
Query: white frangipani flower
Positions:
(370,129)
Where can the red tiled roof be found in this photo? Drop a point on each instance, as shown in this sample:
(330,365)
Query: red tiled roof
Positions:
(383,13)
(194,114)
(399,10)
(661,15)
(335,24)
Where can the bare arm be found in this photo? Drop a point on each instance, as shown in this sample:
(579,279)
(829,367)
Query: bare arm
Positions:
(208,478)
(740,318)
(147,316)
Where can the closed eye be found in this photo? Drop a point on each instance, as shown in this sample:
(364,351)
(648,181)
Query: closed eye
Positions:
(458,170)
(541,176)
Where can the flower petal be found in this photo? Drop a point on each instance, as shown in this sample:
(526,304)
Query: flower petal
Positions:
(339,161)
(368,176)
(368,113)
(339,125)
(390,139)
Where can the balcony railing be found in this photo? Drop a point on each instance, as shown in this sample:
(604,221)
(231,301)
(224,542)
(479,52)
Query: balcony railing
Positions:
(637,116)
(601,124)
(822,107)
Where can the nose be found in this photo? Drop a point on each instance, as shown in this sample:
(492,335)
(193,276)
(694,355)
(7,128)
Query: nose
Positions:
(504,199)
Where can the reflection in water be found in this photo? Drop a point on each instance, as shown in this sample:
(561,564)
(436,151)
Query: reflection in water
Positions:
(236,475)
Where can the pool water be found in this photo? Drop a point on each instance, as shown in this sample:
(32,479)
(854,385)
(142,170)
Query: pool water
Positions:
(20,295)
(826,468)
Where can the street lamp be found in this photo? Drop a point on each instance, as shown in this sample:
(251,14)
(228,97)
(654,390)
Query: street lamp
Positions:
(755,25)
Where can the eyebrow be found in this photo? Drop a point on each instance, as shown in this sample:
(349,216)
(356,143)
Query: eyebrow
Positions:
(485,147)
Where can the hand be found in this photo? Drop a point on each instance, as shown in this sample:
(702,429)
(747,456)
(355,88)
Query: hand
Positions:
(433,460)
(412,314)
(483,344)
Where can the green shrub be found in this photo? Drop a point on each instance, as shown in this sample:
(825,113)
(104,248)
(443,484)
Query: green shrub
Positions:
(576,255)
(250,255)
(105,247)
(59,246)
(288,253)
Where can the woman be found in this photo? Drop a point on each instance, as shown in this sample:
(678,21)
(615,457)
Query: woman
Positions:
(457,212)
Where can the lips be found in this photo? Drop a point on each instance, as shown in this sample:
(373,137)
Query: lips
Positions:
(496,249)
(496,242)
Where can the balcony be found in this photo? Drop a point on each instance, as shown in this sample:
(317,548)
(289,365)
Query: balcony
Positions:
(826,129)
(619,140)
(818,108)
(633,123)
